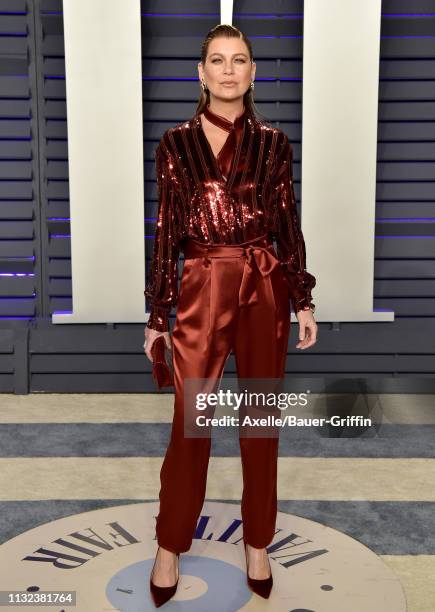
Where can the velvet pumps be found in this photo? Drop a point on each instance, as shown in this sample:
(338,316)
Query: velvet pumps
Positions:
(162,594)
(261,587)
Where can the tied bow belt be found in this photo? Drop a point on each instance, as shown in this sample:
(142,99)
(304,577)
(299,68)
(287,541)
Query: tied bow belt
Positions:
(261,260)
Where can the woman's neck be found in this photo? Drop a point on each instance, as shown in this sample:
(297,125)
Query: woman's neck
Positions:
(228,110)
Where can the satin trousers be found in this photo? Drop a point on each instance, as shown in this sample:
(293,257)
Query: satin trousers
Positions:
(231,298)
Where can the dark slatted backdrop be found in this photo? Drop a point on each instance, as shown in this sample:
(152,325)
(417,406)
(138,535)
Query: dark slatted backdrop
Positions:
(35,270)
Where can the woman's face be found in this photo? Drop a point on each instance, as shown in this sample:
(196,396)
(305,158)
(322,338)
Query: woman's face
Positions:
(227,71)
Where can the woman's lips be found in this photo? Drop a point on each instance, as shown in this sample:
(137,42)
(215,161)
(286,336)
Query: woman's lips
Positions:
(228,84)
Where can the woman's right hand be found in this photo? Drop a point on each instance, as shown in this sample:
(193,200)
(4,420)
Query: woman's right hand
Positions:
(150,336)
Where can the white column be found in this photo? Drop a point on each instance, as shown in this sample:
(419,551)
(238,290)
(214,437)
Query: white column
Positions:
(105,152)
(339,140)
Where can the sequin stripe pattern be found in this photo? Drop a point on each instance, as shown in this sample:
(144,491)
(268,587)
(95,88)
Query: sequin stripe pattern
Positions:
(291,248)
(195,201)
(206,170)
(263,173)
(162,287)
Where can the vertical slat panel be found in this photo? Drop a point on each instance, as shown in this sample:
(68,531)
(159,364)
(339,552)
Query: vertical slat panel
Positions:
(34,193)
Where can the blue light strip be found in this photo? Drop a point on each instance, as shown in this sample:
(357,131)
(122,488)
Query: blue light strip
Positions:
(406,220)
(408,15)
(17,274)
(421,237)
(30,318)
(241,15)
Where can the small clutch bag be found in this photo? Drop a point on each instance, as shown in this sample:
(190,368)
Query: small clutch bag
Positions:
(162,373)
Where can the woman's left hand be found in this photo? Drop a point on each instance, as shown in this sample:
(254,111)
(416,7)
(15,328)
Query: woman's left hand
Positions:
(307,329)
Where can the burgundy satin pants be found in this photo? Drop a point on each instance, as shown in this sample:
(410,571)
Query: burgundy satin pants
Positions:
(231,298)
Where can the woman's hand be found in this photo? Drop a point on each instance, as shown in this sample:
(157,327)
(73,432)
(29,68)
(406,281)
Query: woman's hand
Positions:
(307,329)
(150,336)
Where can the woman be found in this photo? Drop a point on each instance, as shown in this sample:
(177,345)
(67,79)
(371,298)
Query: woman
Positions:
(225,190)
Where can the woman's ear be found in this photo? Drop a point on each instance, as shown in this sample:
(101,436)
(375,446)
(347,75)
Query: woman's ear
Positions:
(254,66)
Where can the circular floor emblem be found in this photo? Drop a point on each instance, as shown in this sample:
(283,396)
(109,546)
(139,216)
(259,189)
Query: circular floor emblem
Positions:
(106,556)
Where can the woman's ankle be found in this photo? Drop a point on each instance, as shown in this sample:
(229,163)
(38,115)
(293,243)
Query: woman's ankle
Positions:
(165,552)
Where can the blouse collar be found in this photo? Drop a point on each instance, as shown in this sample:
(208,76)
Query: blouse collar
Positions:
(223,122)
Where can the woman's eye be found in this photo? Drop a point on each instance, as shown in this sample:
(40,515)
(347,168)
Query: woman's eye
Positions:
(217,59)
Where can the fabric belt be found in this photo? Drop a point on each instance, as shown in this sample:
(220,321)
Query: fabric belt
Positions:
(260,259)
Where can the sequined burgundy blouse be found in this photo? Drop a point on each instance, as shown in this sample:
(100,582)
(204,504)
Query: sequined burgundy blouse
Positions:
(244,192)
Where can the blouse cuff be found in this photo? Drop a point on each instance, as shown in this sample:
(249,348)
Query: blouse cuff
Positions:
(159,319)
(304,303)
(300,285)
